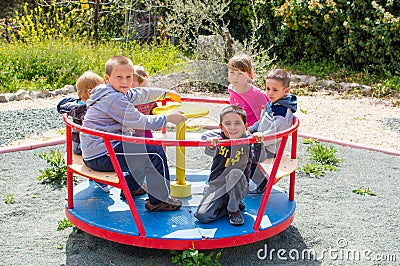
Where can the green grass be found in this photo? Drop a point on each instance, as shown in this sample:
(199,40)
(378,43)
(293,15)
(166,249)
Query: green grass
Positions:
(364,191)
(52,64)
(322,158)
(193,257)
(56,172)
(65,223)
(9,198)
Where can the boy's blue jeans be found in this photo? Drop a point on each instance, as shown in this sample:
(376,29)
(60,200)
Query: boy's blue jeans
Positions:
(138,161)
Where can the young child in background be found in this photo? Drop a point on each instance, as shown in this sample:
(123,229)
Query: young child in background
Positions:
(140,77)
(110,109)
(230,171)
(277,116)
(76,108)
(241,90)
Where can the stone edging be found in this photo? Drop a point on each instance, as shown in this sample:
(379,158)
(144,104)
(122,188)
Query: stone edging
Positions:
(29,95)
(296,80)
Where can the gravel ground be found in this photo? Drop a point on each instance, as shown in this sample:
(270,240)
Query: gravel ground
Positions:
(28,123)
(330,219)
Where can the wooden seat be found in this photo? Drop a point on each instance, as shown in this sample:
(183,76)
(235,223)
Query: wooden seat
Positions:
(286,166)
(80,168)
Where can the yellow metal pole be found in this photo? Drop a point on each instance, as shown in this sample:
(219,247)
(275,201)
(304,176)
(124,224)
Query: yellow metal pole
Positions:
(180,188)
(180,155)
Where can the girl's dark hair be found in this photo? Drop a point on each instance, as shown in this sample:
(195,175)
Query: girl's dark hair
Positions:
(233,109)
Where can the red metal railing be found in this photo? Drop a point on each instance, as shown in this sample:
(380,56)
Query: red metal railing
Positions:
(107,137)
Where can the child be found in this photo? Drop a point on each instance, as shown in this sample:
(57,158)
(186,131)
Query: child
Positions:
(76,107)
(140,77)
(277,116)
(241,91)
(230,171)
(110,109)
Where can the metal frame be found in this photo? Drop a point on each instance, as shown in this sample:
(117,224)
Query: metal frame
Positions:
(206,243)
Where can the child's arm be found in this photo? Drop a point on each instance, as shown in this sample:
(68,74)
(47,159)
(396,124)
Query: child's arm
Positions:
(145,95)
(211,150)
(213,137)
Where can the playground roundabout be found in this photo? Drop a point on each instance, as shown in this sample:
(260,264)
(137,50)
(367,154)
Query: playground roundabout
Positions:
(329,216)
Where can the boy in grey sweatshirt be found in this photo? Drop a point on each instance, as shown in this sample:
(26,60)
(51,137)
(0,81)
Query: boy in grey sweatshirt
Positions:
(111,109)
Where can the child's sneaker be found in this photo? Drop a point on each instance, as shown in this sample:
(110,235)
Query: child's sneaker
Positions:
(140,191)
(260,189)
(170,205)
(235,218)
(102,186)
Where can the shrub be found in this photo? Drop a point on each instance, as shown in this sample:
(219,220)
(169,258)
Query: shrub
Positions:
(363,35)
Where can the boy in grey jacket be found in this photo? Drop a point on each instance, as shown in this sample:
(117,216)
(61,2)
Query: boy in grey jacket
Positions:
(111,109)
(277,116)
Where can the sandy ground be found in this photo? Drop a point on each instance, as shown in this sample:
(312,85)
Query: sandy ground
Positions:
(335,225)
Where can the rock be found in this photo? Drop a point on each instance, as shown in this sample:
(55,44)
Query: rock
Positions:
(59,92)
(365,88)
(68,89)
(43,94)
(21,94)
(310,80)
(7,97)
(3,98)
(34,94)
(349,86)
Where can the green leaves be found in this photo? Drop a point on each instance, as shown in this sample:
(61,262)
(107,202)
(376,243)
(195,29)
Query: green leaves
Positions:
(9,198)
(323,158)
(56,172)
(193,257)
(364,191)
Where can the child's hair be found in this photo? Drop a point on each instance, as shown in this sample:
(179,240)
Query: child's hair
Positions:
(281,75)
(140,74)
(86,82)
(233,109)
(117,61)
(242,62)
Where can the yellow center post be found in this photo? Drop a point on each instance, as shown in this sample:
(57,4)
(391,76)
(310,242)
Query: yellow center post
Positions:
(180,188)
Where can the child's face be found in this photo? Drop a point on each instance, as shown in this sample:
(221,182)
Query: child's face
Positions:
(275,90)
(238,79)
(121,78)
(232,126)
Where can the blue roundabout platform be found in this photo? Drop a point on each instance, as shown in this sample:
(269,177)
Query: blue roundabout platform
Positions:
(107,215)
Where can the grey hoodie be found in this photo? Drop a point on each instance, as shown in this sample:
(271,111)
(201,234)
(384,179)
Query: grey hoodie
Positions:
(112,112)
(276,117)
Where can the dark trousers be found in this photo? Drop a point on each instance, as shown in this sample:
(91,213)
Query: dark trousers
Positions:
(260,154)
(137,162)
